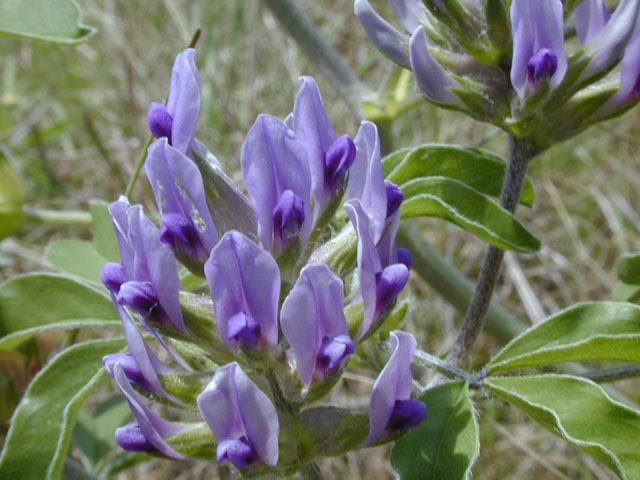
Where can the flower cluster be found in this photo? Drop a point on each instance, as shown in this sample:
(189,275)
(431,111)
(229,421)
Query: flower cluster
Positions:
(273,335)
(511,65)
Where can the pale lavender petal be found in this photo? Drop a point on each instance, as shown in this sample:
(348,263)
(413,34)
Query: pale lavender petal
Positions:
(433,80)
(537,25)
(184,100)
(274,160)
(235,409)
(366,179)
(608,47)
(312,126)
(384,36)
(118,212)
(154,428)
(590,17)
(368,262)
(387,248)
(389,283)
(312,311)
(629,73)
(394,383)
(244,278)
(410,13)
(178,189)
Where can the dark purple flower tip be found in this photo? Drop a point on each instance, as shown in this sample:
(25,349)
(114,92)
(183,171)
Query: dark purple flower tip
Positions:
(131,438)
(113,276)
(404,257)
(542,65)
(394,198)
(244,329)
(128,364)
(406,414)
(180,233)
(288,217)
(332,352)
(160,120)
(389,283)
(239,452)
(337,160)
(138,295)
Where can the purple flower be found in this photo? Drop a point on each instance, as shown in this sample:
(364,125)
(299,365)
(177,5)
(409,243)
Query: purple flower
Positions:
(187,226)
(177,120)
(149,266)
(366,180)
(149,432)
(243,420)
(274,163)
(391,409)
(410,50)
(329,157)
(629,73)
(590,17)
(538,45)
(245,286)
(314,324)
(379,283)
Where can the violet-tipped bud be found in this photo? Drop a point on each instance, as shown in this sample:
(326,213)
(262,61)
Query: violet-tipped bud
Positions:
(391,409)
(138,295)
(159,120)
(394,198)
(313,322)
(245,286)
(243,420)
(288,218)
(337,160)
(179,233)
(113,276)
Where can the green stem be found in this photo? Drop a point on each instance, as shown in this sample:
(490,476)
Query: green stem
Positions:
(430,361)
(315,47)
(57,217)
(612,374)
(521,152)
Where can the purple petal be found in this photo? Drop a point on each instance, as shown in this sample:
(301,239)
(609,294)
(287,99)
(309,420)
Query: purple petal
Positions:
(159,120)
(389,283)
(384,36)
(394,197)
(387,247)
(537,25)
(178,189)
(244,330)
(608,47)
(138,295)
(118,212)
(179,233)
(288,219)
(337,161)
(366,180)
(154,428)
(235,408)
(393,384)
(629,73)
(274,160)
(542,66)
(404,257)
(244,278)
(184,100)
(113,276)
(239,452)
(131,438)
(313,311)
(406,414)
(433,80)
(368,262)
(331,354)
(590,17)
(410,13)
(312,126)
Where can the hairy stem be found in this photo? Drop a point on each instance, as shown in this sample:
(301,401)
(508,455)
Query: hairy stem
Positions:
(315,47)
(612,374)
(473,379)
(520,153)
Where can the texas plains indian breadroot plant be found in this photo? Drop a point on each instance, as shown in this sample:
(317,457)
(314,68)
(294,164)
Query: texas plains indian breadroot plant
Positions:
(248,302)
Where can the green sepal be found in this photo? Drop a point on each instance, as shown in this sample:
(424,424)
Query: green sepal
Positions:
(331,431)
(184,387)
(339,253)
(196,442)
(354,314)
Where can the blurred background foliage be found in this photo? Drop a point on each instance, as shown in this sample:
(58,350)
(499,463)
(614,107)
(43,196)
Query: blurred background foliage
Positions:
(73,122)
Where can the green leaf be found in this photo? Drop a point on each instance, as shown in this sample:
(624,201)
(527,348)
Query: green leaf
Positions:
(454,201)
(50,21)
(629,268)
(16,338)
(104,236)
(41,427)
(581,413)
(76,257)
(38,299)
(479,169)
(446,443)
(587,331)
